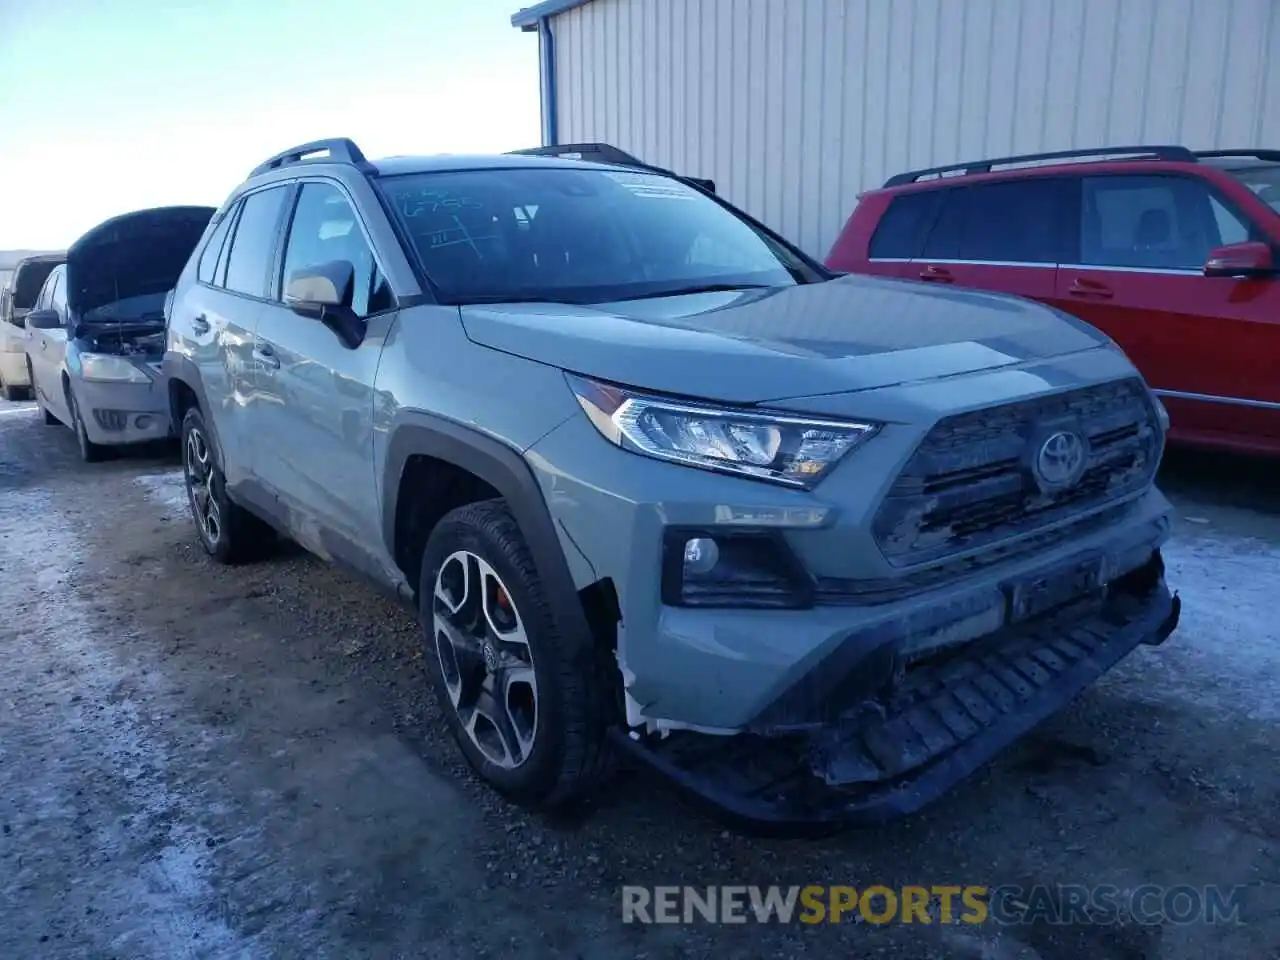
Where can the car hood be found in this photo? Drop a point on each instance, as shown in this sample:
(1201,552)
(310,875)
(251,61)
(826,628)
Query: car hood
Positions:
(132,255)
(852,333)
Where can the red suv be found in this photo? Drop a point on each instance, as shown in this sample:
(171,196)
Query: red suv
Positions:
(1171,253)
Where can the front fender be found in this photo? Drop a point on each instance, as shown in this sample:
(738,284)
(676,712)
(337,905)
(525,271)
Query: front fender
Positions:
(504,469)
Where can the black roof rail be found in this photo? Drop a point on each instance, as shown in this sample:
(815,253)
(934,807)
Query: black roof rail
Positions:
(606,153)
(1267,156)
(1163,152)
(339,150)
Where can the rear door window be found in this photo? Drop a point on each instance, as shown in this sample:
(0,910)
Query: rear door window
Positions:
(904,226)
(1015,222)
(253,245)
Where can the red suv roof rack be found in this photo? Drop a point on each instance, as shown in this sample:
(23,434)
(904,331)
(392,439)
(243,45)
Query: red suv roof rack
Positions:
(1164,152)
(1268,156)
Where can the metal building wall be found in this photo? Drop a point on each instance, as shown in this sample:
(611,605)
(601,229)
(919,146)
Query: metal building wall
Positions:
(794,106)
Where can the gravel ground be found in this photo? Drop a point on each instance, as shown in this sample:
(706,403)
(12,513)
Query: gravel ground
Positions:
(204,762)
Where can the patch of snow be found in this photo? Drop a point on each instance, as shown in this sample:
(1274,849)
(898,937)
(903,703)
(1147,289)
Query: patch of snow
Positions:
(161,909)
(1225,653)
(168,489)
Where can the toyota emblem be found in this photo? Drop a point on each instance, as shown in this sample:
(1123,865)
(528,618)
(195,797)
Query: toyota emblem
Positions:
(1060,461)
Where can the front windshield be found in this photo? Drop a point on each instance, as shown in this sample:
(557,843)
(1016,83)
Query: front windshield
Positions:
(580,236)
(1264,181)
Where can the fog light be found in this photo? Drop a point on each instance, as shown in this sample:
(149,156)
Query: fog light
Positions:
(700,556)
(734,569)
(143,422)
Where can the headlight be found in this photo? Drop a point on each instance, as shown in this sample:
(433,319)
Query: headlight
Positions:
(1162,414)
(795,451)
(103,366)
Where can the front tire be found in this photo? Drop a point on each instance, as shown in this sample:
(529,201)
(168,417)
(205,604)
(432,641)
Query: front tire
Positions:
(49,419)
(528,711)
(229,533)
(90,452)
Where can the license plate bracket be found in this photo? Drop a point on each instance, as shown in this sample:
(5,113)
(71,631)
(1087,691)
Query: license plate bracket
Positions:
(1039,594)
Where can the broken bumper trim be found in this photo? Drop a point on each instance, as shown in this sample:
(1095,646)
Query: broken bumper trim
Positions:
(945,720)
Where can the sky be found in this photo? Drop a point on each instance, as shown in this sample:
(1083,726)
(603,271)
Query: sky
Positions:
(112,107)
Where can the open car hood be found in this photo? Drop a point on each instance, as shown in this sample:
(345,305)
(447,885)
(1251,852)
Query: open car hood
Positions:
(132,255)
(853,333)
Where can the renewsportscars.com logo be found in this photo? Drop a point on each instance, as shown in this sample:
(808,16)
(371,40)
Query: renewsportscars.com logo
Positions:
(940,903)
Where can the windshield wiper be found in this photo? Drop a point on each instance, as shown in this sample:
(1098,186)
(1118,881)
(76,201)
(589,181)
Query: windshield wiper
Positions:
(698,288)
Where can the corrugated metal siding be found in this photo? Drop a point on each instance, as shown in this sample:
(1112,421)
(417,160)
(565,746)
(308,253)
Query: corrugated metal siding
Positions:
(794,106)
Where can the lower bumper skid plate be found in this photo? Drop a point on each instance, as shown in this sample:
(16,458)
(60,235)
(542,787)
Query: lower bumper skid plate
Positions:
(947,718)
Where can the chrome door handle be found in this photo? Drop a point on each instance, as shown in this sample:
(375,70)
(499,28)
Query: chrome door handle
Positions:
(264,355)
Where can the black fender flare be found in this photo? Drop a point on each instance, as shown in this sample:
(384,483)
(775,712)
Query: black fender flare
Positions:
(505,469)
(179,369)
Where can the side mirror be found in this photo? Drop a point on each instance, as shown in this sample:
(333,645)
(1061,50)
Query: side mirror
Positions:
(43,320)
(1250,259)
(321,292)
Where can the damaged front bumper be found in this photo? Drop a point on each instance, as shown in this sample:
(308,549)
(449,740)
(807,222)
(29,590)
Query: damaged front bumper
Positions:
(888,747)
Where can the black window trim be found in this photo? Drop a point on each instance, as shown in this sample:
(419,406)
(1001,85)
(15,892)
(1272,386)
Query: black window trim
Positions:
(61,284)
(1214,191)
(1068,210)
(215,225)
(278,273)
(51,284)
(220,276)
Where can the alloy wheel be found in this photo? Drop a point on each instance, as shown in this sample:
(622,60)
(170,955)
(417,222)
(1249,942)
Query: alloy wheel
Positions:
(485,659)
(198,467)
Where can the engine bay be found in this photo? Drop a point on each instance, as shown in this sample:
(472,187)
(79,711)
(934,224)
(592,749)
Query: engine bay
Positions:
(125,341)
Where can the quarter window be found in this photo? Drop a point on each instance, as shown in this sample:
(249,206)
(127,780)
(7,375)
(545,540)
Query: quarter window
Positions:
(1231,229)
(904,226)
(1151,222)
(1018,221)
(254,243)
(325,229)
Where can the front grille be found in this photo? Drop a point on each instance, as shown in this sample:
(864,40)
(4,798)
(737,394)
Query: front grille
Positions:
(970,482)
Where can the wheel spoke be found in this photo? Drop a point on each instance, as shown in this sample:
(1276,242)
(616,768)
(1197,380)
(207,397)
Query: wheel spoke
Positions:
(491,727)
(213,516)
(519,690)
(500,616)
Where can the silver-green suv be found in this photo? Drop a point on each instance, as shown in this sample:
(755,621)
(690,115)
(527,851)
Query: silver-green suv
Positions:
(661,485)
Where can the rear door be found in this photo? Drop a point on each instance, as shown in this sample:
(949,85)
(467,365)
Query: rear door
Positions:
(1209,346)
(1007,236)
(221,310)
